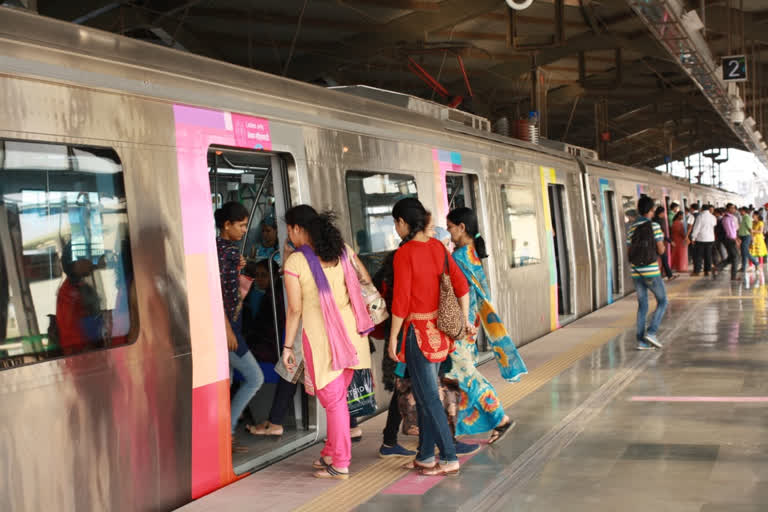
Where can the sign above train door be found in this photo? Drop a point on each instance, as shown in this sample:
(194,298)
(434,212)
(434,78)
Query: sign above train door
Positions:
(734,68)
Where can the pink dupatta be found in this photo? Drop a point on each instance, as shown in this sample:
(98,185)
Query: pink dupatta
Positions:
(343,353)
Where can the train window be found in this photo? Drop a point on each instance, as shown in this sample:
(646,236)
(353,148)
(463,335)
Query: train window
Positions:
(629,207)
(65,264)
(371,197)
(458,188)
(521,227)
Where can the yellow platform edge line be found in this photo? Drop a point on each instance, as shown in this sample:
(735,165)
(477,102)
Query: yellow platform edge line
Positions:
(372,480)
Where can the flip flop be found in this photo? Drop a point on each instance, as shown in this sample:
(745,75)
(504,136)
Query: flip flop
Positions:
(320,463)
(260,430)
(500,432)
(331,473)
(438,470)
(414,464)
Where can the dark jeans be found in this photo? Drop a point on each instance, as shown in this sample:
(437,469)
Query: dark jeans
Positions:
(656,286)
(393,420)
(282,401)
(433,423)
(665,265)
(746,241)
(703,252)
(733,257)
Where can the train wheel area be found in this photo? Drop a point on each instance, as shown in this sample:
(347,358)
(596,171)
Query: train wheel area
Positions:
(600,425)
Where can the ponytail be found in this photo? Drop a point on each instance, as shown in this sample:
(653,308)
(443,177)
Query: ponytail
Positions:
(414,214)
(325,237)
(467,217)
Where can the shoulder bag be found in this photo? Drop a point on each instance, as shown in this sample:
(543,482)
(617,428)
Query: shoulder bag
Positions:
(374,302)
(449,316)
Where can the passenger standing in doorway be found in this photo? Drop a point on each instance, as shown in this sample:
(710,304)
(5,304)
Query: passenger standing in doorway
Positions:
(660,218)
(232,222)
(646,243)
(731,227)
(324,294)
(702,238)
(679,244)
(418,264)
(481,410)
(745,235)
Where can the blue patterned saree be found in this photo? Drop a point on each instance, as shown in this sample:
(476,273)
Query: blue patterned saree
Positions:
(480,409)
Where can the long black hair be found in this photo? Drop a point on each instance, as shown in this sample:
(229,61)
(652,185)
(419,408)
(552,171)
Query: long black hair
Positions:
(414,214)
(468,217)
(325,236)
(230,212)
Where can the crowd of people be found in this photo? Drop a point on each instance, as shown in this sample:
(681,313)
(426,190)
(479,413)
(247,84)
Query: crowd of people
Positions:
(719,237)
(433,375)
(713,238)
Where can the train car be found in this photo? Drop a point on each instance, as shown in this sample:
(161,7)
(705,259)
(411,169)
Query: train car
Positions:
(114,372)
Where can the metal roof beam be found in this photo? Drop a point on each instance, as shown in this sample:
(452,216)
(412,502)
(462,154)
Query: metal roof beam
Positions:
(411,27)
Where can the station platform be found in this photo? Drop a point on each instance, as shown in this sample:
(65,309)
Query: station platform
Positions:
(600,425)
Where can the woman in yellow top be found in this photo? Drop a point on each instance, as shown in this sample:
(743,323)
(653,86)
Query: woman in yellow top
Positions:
(758,248)
(323,293)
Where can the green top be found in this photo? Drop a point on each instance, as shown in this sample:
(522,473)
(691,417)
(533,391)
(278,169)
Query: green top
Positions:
(745,226)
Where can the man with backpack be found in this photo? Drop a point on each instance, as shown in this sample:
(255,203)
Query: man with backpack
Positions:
(646,243)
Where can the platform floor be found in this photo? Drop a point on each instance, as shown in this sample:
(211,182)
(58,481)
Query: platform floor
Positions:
(601,426)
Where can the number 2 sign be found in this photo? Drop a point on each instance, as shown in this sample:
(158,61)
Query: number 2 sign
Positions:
(735,68)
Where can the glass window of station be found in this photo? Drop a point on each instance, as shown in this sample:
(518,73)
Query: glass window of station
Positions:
(66,276)
(520,226)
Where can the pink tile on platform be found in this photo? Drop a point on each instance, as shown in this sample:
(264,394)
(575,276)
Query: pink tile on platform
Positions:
(415,484)
(724,399)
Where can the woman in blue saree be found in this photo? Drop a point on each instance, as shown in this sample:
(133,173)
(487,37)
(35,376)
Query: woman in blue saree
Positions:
(480,409)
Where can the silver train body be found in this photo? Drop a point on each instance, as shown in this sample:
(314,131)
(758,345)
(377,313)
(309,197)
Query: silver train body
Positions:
(144,424)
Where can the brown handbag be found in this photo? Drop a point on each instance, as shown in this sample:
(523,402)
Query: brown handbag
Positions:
(449,315)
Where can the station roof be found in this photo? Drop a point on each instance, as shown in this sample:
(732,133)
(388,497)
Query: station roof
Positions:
(610,72)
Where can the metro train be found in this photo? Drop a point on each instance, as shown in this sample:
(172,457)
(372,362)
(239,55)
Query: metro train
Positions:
(113,155)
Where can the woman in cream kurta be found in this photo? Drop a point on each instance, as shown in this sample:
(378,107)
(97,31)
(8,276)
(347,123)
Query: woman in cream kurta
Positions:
(318,372)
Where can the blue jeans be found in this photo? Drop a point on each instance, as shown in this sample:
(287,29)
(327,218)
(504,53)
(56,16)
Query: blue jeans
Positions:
(746,241)
(254,378)
(433,423)
(656,285)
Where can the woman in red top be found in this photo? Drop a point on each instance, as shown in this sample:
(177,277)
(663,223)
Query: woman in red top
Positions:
(418,265)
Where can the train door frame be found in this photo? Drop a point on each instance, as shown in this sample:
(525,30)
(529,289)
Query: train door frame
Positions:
(306,410)
(561,226)
(472,183)
(611,226)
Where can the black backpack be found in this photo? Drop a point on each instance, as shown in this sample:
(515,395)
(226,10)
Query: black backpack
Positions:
(642,247)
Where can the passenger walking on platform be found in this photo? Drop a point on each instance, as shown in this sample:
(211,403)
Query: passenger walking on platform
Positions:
(660,218)
(232,223)
(745,235)
(418,264)
(384,281)
(679,244)
(646,244)
(718,248)
(702,238)
(758,248)
(324,294)
(731,227)
(480,409)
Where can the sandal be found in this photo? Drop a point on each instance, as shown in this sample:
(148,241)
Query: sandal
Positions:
(320,463)
(265,429)
(498,433)
(439,470)
(414,464)
(331,473)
